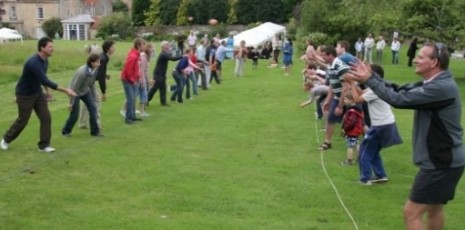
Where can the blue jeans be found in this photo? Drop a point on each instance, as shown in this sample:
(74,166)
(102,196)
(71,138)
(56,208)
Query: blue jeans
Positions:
(395,57)
(177,91)
(130,92)
(370,157)
(193,80)
(88,100)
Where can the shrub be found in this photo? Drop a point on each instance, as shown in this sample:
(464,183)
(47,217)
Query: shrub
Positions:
(53,26)
(117,23)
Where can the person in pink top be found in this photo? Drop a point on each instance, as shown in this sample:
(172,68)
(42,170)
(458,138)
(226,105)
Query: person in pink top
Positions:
(143,85)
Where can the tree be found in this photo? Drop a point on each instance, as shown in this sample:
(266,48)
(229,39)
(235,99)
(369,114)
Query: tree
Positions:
(117,23)
(289,6)
(271,10)
(120,6)
(181,15)
(232,16)
(137,11)
(152,16)
(435,20)
(247,11)
(53,26)
(168,11)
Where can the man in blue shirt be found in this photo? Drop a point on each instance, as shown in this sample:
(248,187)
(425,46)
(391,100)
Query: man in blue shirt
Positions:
(29,96)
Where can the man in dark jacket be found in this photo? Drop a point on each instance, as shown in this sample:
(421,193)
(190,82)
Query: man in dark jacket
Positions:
(437,133)
(159,73)
(29,97)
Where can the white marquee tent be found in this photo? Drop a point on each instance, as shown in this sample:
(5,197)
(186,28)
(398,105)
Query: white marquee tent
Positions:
(259,35)
(9,35)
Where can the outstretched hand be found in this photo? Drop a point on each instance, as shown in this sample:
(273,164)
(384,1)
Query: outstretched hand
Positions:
(360,71)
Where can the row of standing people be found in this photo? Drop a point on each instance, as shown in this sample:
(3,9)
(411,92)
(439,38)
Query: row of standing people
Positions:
(364,49)
(437,133)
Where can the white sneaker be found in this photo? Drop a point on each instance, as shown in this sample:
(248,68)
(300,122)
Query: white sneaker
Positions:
(3,145)
(123,113)
(47,149)
(144,114)
(137,112)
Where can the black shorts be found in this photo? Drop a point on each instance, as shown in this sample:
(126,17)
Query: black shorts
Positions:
(435,186)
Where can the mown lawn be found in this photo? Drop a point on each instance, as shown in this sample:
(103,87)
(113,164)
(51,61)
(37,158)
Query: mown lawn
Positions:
(242,155)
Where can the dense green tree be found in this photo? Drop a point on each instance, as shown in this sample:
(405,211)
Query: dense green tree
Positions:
(436,20)
(288,8)
(168,11)
(269,11)
(232,16)
(120,6)
(182,14)
(53,26)
(204,10)
(117,23)
(137,11)
(249,11)
(152,16)
(246,11)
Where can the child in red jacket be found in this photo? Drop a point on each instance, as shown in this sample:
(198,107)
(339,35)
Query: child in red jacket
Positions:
(352,124)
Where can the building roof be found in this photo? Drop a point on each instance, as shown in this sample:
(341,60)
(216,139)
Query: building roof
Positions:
(82,18)
(91,2)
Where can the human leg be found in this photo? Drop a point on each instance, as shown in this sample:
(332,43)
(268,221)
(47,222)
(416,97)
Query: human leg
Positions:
(153,90)
(193,80)
(45,118)
(162,87)
(187,84)
(236,68)
(207,74)
(129,91)
(25,105)
(90,104)
(413,215)
(83,117)
(72,118)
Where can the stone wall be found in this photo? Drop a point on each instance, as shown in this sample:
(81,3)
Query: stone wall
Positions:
(175,30)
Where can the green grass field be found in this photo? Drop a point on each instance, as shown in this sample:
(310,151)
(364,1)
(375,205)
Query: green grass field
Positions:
(242,155)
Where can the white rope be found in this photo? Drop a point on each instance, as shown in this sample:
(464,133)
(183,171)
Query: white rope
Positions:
(322,159)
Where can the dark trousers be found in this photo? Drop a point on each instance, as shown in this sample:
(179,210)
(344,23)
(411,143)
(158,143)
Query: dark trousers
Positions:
(158,85)
(89,101)
(410,59)
(27,103)
(318,103)
(214,75)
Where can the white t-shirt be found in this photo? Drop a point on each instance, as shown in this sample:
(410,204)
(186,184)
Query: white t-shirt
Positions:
(369,42)
(192,40)
(380,111)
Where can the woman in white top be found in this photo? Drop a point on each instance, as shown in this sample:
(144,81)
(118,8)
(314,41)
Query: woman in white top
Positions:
(395,47)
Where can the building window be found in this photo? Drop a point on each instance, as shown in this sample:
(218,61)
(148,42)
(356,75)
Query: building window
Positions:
(12,12)
(82,32)
(40,13)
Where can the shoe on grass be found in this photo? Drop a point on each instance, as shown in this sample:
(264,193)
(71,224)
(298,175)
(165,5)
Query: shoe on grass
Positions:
(366,183)
(3,145)
(379,180)
(47,149)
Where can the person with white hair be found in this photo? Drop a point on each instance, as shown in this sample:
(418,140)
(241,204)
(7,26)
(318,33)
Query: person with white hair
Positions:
(159,73)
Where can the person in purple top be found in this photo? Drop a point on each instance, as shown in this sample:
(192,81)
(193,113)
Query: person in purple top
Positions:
(29,96)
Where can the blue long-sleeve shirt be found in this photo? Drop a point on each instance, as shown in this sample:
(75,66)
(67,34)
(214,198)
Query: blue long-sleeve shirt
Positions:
(34,76)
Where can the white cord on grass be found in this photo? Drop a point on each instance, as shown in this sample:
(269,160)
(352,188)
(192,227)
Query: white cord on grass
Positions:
(329,178)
